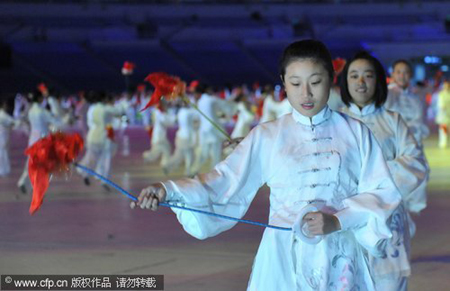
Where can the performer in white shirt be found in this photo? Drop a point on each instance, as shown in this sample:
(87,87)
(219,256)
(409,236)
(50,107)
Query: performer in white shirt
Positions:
(185,140)
(245,117)
(210,138)
(161,147)
(58,112)
(364,92)
(40,121)
(110,147)
(97,133)
(6,123)
(312,156)
(269,105)
(403,99)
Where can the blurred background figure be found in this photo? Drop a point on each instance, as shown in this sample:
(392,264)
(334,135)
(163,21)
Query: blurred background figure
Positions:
(443,115)
(403,98)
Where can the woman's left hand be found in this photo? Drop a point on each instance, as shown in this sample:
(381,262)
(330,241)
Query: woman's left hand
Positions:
(320,223)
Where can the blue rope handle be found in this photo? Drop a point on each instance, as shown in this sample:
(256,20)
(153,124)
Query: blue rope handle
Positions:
(134,198)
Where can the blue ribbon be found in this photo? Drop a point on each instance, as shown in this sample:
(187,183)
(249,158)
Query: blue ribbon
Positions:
(165,204)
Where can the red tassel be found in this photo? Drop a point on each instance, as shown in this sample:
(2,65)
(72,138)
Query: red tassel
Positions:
(338,65)
(42,88)
(51,154)
(168,86)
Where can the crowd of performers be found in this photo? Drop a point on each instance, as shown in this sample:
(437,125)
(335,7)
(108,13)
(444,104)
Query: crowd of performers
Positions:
(354,144)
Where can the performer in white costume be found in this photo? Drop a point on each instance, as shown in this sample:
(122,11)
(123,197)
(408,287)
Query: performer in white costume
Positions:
(311,155)
(6,123)
(97,134)
(185,140)
(58,113)
(403,99)
(245,117)
(210,139)
(161,147)
(269,105)
(364,91)
(40,121)
(110,146)
(443,114)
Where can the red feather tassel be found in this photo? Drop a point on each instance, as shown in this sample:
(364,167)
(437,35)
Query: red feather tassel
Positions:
(165,85)
(51,154)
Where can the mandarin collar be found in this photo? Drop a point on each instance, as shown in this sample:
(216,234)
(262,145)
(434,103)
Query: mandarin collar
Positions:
(317,119)
(366,110)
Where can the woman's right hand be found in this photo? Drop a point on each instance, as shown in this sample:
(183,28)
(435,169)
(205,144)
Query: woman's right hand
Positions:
(150,197)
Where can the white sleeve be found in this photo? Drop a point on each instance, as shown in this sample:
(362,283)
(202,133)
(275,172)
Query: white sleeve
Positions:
(377,197)
(228,190)
(409,169)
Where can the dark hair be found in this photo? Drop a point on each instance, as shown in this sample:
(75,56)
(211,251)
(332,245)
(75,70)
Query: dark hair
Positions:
(35,96)
(381,90)
(306,49)
(402,61)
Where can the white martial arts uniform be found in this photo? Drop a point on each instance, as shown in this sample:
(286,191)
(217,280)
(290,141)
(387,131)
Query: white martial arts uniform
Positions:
(244,121)
(161,146)
(96,137)
(6,122)
(283,107)
(409,170)
(40,121)
(185,141)
(329,157)
(269,109)
(210,138)
(335,101)
(110,146)
(410,107)
(58,113)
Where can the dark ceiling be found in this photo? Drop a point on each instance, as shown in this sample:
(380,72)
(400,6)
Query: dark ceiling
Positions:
(75,45)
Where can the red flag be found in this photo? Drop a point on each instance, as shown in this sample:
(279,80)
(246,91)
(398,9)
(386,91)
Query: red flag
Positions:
(165,85)
(51,154)
(128,68)
(42,88)
(338,66)
(193,85)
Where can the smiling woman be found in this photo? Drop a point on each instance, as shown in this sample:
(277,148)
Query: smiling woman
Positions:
(364,91)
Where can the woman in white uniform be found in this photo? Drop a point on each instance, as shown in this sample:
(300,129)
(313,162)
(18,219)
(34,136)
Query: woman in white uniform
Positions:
(97,134)
(403,99)
(210,138)
(6,123)
(110,147)
(364,92)
(185,140)
(40,121)
(310,156)
(245,117)
(161,147)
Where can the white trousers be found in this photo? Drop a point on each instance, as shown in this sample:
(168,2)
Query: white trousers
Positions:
(160,149)
(183,152)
